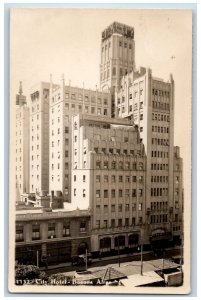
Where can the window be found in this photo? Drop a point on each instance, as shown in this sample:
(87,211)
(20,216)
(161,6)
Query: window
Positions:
(113,193)
(84,178)
(134,178)
(120,178)
(105,101)
(98,164)
(93,110)
(127,178)
(113,178)
(51,231)
(105,193)
(113,223)
(66,153)
(97,178)
(113,165)
(84,193)
(83,226)
(134,194)
(127,222)
(35,232)
(120,207)
(112,208)
(97,223)
(97,193)
(105,224)
(127,193)
(105,209)
(66,229)
(127,207)
(141,117)
(105,178)
(120,222)
(114,71)
(133,206)
(120,193)
(121,165)
(140,192)
(105,165)
(19,233)
(140,178)
(74,192)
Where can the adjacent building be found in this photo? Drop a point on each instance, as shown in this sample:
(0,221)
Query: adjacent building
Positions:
(51,237)
(22,145)
(149,102)
(39,139)
(109,178)
(65,102)
(117,57)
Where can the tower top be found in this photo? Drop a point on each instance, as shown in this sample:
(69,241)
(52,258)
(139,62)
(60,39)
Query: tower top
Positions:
(119,28)
(20,89)
(20,99)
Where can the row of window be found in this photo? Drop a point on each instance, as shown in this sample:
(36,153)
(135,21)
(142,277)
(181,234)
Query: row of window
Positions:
(160,142)
(159,218)
(160,117)
(118,223)
(157,192)
(58,166)
(160,129)
(160,93)
(118,207)
(162,154)
(116,151)
(159,206)
(160,105)
(119,178)
(160,167)
(121,193)
(87,98)
(58,154)
(36,232)
(121,165)
(159,179)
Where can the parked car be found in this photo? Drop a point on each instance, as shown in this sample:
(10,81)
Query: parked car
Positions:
(80,260)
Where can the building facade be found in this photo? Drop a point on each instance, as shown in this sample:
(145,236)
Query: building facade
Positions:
(51,237)
(66,101)
(149,102)
(117,57)
(39,139)
(108,177)
(22,145)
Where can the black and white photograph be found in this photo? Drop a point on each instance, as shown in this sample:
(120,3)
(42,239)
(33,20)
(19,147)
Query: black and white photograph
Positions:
(100,151)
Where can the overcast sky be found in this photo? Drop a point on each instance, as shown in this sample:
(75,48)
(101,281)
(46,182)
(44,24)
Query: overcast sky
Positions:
(57,41)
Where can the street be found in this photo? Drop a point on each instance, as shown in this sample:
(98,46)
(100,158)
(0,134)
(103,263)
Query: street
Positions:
(111,260)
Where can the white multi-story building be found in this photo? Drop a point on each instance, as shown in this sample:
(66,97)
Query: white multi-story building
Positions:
(66,101)
(149,102)
(108,177)
(39,138)
(22,145)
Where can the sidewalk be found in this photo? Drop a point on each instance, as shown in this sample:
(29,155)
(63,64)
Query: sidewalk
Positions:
(69,264)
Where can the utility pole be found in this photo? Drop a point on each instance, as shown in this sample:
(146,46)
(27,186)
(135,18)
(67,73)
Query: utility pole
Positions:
(86,259)
(37,260)
(118,252)
(141,259)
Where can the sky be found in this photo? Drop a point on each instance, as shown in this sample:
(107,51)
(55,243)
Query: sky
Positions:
(67,41)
